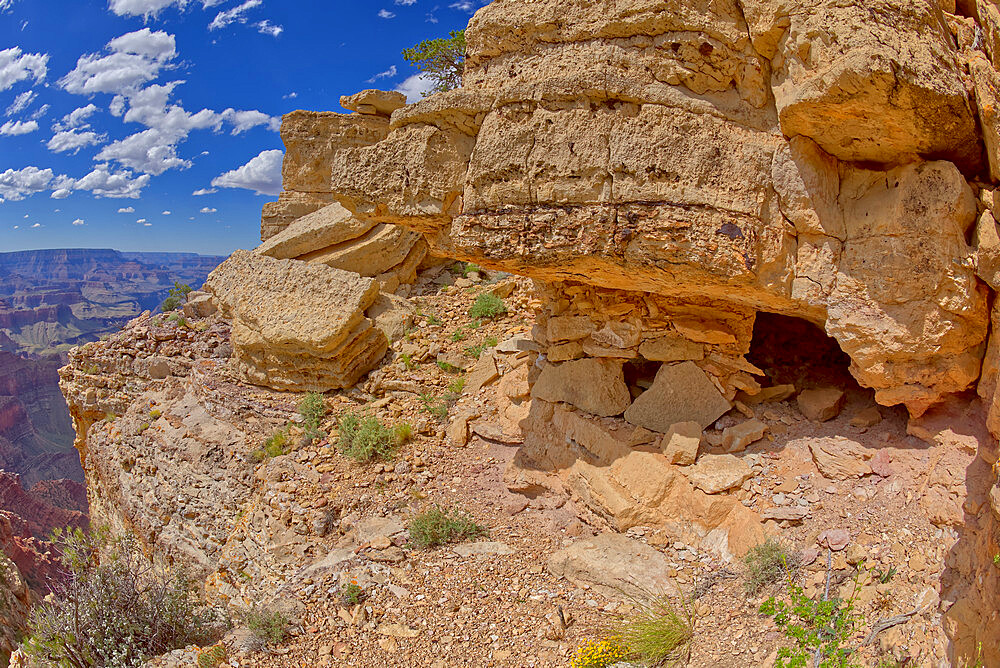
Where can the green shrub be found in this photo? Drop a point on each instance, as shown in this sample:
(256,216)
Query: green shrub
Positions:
(435,406)
(176,296)
(432,319)
(766,564)
(456,386)
(364,439)
(477,350)
(438,525)
(155,413)
(487,305)
(113,609)
(312,409)
(352,594)
(267,626)
(457,335)
(408,362)
(656,633)
(276,443)
(815,627)
(447,368)
(403,433)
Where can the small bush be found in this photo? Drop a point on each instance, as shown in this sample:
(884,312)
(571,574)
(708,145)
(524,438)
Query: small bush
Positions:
(600,654)
(364,439)
(352,594)
(113,608)
(766,564)
(477,350)
(487,305)
(155,413)
(435,406)
(404,432)
(408,362)
(275,445)
(437,526)
(656,633)
(456,386)
(267,626)
(312,409)
(176,296)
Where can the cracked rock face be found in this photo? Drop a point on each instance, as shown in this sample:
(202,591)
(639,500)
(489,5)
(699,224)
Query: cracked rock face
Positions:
(761,155)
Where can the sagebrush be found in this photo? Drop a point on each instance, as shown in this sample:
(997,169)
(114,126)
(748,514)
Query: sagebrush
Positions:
(439,525)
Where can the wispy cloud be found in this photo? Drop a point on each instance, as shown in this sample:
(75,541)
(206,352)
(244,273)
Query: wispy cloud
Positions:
(388,74)
(386,14)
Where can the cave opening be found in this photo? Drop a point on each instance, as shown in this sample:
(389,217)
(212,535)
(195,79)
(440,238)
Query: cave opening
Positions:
(795,351)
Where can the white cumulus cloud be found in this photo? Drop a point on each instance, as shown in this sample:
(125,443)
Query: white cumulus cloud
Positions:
(415,87)
(13,128)
(262,174)
(205,191)
(166,213)
(18,184)
(150,151)
(79,221)
(15,65)
(208,210)
(73,140)
(135,58)
(102,182)
(127,209)
(76,118)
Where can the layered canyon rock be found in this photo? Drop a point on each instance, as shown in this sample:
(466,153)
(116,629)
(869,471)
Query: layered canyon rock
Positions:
(297,325)
(666,173)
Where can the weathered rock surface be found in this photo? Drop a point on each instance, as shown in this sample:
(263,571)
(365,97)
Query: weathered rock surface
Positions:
(295,324)
(680,393)
(614,564)
(596,386)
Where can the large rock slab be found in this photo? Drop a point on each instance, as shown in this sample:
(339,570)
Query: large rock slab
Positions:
(839,458)
(297,325)
(615,565)
(680,393)
(596,386)
(330,226)
(717,473)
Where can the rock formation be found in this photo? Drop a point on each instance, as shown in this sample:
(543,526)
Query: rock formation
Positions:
(674,178)
(666,175)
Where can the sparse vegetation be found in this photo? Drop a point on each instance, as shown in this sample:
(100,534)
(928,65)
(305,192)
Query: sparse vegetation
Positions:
(441,61)
(176,296)
(438,525)
(435,406)
(600,653)
(312,410)
(432,319)
(477,350)
(364,439)
(155,414)
(657,633)
(274,446)
(408,362)
(456,386)
(465,268)
(268,627)
(816,628)
(457,335)
(352,594)
(110,417)
(403,432)
(447,368)
(487,305)
(113,609)
(766,564)
(143,427)
(211,657)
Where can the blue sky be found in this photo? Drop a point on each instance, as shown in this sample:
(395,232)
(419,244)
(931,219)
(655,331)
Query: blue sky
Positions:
(114,113)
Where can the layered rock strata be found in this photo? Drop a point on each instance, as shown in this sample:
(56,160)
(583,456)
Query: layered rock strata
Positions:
(297,325)
(666,172)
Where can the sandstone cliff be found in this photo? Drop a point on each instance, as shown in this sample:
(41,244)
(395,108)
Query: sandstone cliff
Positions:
(715,203)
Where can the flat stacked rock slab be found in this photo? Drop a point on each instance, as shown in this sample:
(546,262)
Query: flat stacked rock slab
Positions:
(298,325)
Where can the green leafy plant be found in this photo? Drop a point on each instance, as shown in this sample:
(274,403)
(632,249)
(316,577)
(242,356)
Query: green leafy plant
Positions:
(143,427)
(110,417)
(441,60)
(211,657)
(268,627)
(447,368)
(312,410)
(487,305)
(656,632)
(155,413)
(364,439)
(477,350)
(456,386)
(352,594)
(435,406)
(403,433)
(766,564)
(176,296)
(818,629)
(408,362)
(439,525)
(274,446)
(884,576)
(113,608)
(432,319)
(457,335)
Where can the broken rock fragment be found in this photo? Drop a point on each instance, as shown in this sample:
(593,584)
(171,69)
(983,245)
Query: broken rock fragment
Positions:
(680,393)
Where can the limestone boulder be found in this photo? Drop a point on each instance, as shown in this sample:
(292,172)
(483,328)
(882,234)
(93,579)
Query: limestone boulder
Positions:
(681,443)
(855,92)
(839,458)
(297,325)
(717,473)
(821,404)
(615,565)
(987,244)
(679,393)
(330,226)
(374,102)
(738,437)
(596,386)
